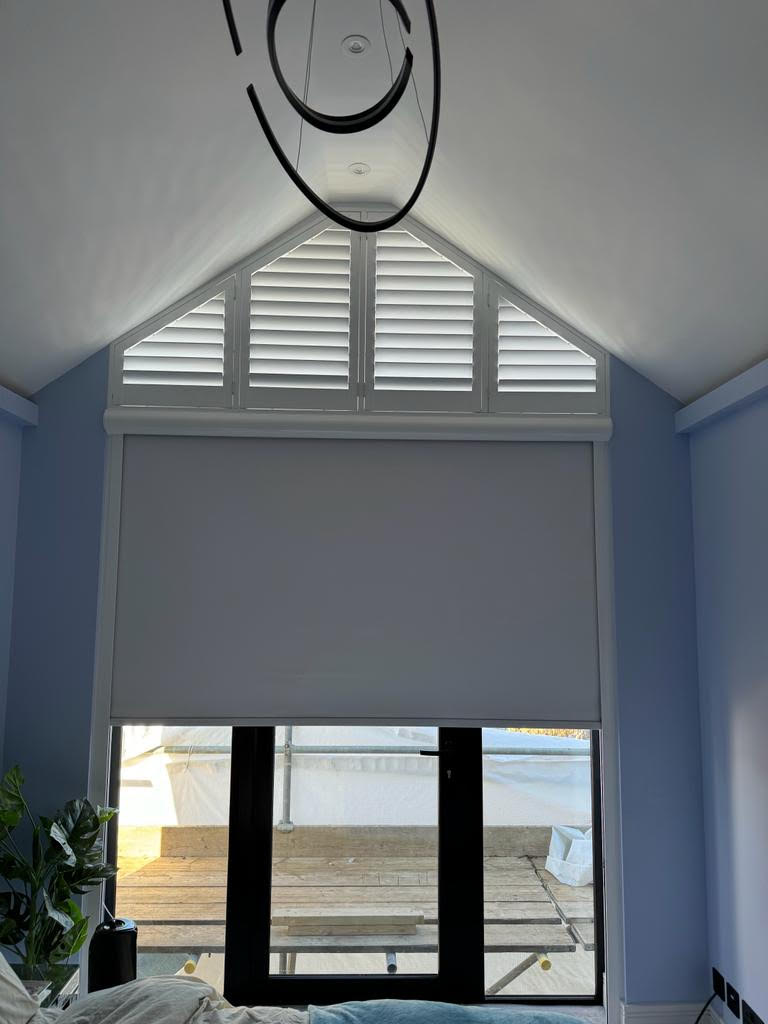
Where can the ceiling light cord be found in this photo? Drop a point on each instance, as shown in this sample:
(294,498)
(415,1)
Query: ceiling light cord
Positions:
(386,42)
(413,77)
(307,74)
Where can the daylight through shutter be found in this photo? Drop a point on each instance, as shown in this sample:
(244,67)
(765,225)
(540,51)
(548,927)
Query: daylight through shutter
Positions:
(534,358)
(186,353)
(424,318)
(299,318)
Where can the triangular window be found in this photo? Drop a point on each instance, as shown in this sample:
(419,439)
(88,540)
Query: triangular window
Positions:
(184,362)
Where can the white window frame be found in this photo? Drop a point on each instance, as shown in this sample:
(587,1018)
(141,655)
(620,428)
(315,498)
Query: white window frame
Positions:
(423,401)
(174,395)
(361,397)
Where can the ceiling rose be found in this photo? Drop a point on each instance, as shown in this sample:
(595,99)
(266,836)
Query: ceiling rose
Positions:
(344,123)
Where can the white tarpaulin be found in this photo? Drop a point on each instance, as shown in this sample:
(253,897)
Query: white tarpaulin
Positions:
(179,775)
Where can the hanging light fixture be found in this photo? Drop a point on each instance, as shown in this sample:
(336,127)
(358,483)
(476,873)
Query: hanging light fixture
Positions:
(342,124)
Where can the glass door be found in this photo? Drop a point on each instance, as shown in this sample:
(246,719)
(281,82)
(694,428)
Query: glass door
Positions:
(349,839)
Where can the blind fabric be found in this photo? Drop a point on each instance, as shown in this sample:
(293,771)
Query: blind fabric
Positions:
(300,316)
(323,580)
(534,358)
(424,318)
(186,353)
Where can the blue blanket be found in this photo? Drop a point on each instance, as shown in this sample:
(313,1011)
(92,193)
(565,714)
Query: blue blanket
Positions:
(412,1011)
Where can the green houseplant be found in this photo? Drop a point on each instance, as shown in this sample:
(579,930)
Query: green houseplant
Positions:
(39,918)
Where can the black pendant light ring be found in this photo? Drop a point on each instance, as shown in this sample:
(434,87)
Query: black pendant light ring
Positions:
(339,124)
(350,223)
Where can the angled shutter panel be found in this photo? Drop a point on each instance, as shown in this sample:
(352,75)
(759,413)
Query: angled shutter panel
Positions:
(532,358)
(300,315)
(186,353)
(424,318)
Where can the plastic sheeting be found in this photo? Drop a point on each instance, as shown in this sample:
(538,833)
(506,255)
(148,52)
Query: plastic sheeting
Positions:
(180,776)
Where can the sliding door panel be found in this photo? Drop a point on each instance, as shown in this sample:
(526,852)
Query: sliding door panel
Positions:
(540,916)
(172,786)
(355,851)
(355,864)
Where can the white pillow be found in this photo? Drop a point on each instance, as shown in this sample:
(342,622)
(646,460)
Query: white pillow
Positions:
(16,1005)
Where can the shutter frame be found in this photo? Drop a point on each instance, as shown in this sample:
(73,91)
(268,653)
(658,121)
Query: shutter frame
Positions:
(255,396)
(219,396)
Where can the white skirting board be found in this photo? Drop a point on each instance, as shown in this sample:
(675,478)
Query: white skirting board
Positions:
(666,1013)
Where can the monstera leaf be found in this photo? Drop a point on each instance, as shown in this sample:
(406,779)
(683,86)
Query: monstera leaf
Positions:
(72,939)
(11,801)
(56,913)
(14,918)
(66,860)
(58,835)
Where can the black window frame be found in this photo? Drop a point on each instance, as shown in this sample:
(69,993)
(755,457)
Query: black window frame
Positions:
(460,977)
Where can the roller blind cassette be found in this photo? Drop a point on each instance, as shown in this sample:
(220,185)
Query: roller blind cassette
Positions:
(186,353)
(314,580)
(299,319)
(532,358)
(424,318)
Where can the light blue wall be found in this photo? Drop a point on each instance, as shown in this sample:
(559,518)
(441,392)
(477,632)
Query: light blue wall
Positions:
(54,616)
(51,671)
(10,462)
(729,461)
(659,739)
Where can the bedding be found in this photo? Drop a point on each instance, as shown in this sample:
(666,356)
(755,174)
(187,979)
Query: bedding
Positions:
(187,1000)
(406,1011)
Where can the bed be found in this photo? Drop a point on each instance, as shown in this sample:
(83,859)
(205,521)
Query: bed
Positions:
(188,1000)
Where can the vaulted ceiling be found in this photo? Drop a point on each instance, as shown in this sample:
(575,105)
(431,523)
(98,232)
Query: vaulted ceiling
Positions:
(609,157)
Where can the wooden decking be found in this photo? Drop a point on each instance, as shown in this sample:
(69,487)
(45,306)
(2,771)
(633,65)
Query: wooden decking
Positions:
(179,903)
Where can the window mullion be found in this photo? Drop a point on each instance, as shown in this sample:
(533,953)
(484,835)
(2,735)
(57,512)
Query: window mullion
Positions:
(367,319)
(249,865)
(357,318)
(460,878)
(242,337)
(491,340)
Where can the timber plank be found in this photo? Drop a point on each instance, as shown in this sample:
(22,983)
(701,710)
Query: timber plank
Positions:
(190,878)
(499,939)
(215,912)
(191,895)
(334,841)
(585,933)
(578,910)
(571,893)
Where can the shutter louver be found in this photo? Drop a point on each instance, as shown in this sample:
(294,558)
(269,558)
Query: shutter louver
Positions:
(532,358)
(186,353)
(424,320)
(299,333)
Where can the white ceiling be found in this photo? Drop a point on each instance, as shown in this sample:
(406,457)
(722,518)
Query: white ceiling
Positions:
(609,157)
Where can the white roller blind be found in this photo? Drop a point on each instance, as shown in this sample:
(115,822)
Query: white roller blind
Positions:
(186,353)
(300,316)
(424,318)
(532,358)
(316,580)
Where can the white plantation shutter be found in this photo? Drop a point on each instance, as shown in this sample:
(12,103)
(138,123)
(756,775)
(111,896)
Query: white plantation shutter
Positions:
(423,325)
(345,321)
(183,362)
(534,360)
(300,323)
